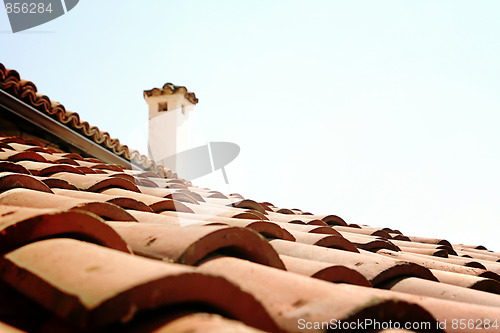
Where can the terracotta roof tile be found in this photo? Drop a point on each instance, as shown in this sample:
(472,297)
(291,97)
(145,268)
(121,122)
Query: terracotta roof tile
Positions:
(376,271)
(10,180)
(467,281)
(193,244)
(21,225)
(289,297)
(112,286)
(417,286)
(95,183)
(432,264)
(324,271)
(36,199)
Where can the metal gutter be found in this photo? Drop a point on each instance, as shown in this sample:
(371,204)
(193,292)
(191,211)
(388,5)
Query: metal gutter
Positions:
(66,134)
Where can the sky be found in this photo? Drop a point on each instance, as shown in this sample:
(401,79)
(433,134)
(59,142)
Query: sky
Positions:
(382,112)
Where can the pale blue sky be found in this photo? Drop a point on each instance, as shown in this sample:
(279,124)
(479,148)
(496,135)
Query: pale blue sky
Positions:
(383,112)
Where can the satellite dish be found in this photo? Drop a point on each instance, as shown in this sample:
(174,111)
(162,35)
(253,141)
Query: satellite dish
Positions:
(200,161)
(26,15)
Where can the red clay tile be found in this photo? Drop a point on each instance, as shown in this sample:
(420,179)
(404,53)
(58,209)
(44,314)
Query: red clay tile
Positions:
(427,252)
(21,225)
(6,166)
(155,203)
(460,261)
(365,231)
(47,169)
(58,158)
(467,281)
(324,271)
(213,210)
(23,147)
(92,286)
(369,243)
(478,254)
(122,201)
(56,183)
(265,228)
(16,156)
(434,264)
(9,180)
(374,268)
(331,241)
(308,228)
(179,195)
(291,297)
(95,183)
(192,244)
(428,246)
(421,287)
(329,219)
(36,199)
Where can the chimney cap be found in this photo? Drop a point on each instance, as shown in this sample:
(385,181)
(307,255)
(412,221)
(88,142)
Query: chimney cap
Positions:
(171,89)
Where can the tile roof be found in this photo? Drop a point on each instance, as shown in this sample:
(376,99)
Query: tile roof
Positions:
(91,246)
(171,89)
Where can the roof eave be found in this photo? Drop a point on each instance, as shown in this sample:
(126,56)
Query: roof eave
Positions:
(66,134)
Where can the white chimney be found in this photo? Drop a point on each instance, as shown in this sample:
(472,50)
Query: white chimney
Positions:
(169,109)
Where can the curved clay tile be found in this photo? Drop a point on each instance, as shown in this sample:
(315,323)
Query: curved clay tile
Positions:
(267,229)
(290,298)
(86,170)
(331,241)
(35,199)
(248,204)
(56,183)
(308,228)
(430,263)
(165,192)
(478,254)
(428,252)
(29,148)
(376,269)
(16,156)
(364,231)
(162,218)
(330,219)
(95,183)
(91,286)
(10,181)
(47,169)
(428,246)
(324,271)
(192,244)
(399,237)
(460,261)
(421,287)
(428,240)
(121,201)
(21,225)
(317,222)
(213,210)
(467,281)
(369,243)
(155,203)
(58,158)
(6,166)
